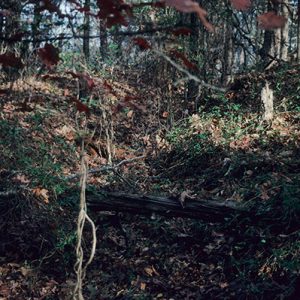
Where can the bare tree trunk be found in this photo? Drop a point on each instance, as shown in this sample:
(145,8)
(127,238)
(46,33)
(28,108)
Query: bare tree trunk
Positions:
(277,44)
(267,49)
(86,31)
(271,44)
(192,86)
(285,31)
(35,26)
(1,25)
(298,33)
(277,41)
(228,54)
(12,23)
(103,40)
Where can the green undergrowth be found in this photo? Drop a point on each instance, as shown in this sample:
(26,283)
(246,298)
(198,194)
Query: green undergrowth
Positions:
(32,155)
(36,223)
(228,155)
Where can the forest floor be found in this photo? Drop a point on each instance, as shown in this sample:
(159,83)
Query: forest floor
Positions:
(216,148)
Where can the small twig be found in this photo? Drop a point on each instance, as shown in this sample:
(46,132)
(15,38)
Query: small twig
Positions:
(124,179)
(290,234)
(260,194)
(9,193)
(106,168)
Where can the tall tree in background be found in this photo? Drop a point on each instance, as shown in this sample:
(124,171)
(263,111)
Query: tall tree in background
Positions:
(35,26)
(267,51)
(285,31)
(86,30)
(103,39)
(228,52)
(298,31)
(11,18)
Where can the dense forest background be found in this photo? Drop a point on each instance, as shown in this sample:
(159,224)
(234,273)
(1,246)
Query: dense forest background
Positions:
(152,147)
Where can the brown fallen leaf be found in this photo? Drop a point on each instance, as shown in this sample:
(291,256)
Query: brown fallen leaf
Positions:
(130,114)
(165,114)
(21,179)
(42,194)
(25,271)
(143,286)
(4,291)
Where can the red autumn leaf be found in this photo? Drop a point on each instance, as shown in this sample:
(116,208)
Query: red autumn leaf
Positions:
(241,4)
(112,12)
(182,57)
(49,55)
(116,19)
(107,86)
(9,59)
(189,6)
(129,98)
(110,88)
(165,114)
(85,77)
(142,43)
(89,81)
(117,108)
(81,107)
(182,31)
(66,92)
(270,20)
(129,102)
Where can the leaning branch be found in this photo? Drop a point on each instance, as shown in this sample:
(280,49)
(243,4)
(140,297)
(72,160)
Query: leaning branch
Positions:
(106,168)
(187,73)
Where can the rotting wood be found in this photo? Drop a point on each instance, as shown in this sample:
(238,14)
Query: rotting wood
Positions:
(207,210)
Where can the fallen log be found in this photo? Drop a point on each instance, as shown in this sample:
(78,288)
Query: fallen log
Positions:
(207,210)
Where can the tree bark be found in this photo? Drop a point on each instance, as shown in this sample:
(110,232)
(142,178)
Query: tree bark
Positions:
(103,40)
(228,54)
(285,31)
(35,27)
(298,33)
(267,50)
(86,31)
(192,86)
(209,210)
(1,25)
